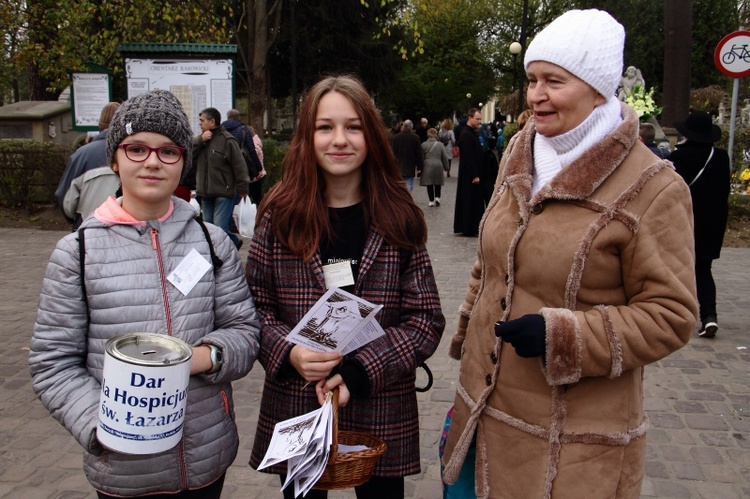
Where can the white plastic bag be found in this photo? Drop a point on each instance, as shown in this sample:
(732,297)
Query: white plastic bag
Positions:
(196,206)
(244,216)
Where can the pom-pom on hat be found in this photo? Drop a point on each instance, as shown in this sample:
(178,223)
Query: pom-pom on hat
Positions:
(587,43)
(157,111)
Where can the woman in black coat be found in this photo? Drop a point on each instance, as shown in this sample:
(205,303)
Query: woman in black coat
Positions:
(705,169)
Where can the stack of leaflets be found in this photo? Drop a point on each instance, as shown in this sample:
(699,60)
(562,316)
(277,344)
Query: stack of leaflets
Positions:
(342,322)
(305,443)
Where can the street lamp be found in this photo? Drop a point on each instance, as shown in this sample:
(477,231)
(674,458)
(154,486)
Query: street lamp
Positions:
(515,49)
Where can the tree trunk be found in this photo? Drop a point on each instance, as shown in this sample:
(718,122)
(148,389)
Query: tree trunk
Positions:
(262,30)
(678,35)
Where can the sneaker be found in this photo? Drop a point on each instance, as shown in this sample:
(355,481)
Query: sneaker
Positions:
(709,328)
(431,203)
(437,201)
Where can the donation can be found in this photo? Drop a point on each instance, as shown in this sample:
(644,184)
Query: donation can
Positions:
(144,393)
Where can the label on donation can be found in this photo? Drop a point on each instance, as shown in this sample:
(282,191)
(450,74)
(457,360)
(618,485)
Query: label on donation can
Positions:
(144,393)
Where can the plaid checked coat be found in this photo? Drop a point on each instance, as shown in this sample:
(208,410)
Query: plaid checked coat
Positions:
(284,288)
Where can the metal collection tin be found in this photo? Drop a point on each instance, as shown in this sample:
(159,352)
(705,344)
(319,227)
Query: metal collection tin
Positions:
(144,393)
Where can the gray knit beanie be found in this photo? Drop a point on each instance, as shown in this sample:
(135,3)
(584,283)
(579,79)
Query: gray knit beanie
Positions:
(587,43)
(157,111)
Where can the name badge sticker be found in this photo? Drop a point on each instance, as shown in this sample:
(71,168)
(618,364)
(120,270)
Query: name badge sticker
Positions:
(338,275)
(190,270)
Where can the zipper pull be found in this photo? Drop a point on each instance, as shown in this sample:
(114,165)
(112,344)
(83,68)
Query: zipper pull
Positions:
(154,234)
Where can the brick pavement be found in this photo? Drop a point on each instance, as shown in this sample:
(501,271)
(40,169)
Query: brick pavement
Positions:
(698,399)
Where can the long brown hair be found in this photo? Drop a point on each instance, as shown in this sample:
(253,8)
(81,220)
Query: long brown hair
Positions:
(300,213)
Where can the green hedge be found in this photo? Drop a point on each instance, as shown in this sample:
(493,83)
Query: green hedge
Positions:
(273,155)
(30,172)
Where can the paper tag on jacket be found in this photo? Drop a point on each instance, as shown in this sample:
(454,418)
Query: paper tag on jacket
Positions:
(190,270)
(338,275)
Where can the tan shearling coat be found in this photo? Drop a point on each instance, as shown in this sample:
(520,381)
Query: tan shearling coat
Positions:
(605,253)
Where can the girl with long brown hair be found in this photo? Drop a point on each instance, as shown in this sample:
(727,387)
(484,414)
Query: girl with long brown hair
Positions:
(341,201)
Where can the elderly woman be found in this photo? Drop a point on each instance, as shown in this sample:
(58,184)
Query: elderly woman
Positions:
(585,262)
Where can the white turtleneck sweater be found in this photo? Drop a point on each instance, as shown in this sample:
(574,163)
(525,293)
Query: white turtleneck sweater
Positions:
(552,154)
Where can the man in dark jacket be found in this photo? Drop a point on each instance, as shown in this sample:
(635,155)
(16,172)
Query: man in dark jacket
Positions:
(705,168)
(408,151)
(469,199)
(220,171)
(234,126)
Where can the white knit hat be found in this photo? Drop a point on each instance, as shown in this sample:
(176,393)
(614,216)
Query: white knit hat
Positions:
(588,43)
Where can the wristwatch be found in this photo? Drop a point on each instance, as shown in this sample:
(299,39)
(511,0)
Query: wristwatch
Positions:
(217,359)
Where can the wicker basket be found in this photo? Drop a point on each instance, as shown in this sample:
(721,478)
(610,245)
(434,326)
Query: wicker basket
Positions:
(349,469)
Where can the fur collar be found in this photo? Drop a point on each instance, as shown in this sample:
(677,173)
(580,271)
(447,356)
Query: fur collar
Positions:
(580,179)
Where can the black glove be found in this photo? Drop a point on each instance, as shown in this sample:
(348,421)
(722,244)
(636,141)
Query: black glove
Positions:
(527,334)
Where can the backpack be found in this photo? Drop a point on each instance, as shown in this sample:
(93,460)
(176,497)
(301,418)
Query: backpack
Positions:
(253,169)
(444,137)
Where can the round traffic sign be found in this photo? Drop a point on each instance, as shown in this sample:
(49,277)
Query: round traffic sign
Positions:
(732,55)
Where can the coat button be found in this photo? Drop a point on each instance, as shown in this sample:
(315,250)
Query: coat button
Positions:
(488,379)
(503,303)
(537,209)
(493,357)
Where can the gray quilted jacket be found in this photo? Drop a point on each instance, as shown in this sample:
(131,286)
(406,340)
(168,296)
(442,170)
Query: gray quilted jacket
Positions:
(126,266)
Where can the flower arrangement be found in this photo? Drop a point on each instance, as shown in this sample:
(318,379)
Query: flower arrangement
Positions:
(642,101)
(745,179)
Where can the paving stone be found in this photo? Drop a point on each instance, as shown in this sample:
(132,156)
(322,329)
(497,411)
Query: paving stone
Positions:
(705,422)
(688,471)
(706,455)
(686,406)
(656,469)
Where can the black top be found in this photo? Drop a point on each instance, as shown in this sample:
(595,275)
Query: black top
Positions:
(348,242)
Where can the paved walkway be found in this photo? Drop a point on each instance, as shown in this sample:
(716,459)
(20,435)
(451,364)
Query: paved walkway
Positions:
(698,399)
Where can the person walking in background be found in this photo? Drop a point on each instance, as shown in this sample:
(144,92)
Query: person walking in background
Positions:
(341,200)
(489,172)
(421,131)
(705,169)
(647,134)
(116,281)
(245,137)
(585,276)
(448,139)
(220,172)
(435,163)
(408,151)
(87,171)
(395,129)
(469,200)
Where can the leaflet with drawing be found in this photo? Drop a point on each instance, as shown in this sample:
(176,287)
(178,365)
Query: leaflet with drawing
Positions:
(305,443)
(338,322)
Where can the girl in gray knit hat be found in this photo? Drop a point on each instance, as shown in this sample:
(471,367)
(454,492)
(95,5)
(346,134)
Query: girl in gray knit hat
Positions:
(143,263)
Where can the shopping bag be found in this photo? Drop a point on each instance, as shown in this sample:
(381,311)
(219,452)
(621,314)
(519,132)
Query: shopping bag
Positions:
(196,205)
(244,216)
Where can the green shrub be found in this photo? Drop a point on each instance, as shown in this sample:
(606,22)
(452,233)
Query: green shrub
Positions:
(273,155)
(30,172)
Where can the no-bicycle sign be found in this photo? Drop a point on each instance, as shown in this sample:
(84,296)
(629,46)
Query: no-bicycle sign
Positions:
(732,55)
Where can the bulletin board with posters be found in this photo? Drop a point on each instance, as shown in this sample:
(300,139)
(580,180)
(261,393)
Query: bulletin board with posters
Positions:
(200,75)
(90,91)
